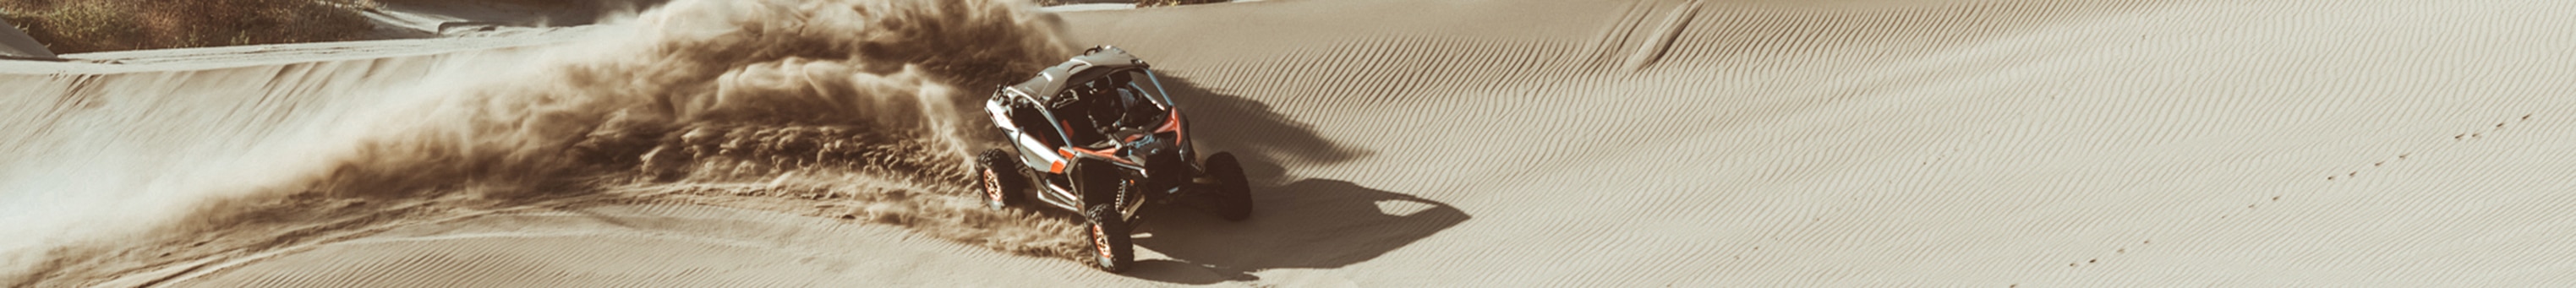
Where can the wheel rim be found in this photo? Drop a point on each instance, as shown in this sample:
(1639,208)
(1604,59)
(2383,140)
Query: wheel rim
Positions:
(1100,241)
(992,186)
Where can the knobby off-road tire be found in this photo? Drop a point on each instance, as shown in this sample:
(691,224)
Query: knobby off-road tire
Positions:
(1231,197)
(1111,249)
(1102,195)
(998,179)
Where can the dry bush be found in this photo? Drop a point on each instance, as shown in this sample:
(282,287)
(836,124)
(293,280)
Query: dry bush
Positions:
(539,4)
(1155,3)
(76,26)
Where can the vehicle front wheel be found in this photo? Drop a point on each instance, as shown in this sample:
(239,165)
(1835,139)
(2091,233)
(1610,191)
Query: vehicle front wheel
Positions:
(1111,248)
(1232,196)
(997,179)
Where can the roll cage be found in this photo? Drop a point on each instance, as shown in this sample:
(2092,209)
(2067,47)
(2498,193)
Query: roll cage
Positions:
(1062,105)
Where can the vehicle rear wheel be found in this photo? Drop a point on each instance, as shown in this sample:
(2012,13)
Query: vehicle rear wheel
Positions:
(1111,248)
(998,180)
(1232,196)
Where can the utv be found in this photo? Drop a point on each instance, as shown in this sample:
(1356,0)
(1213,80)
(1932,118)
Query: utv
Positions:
(1098,135)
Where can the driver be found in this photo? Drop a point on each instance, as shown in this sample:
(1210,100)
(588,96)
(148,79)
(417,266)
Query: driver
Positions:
(1090,104)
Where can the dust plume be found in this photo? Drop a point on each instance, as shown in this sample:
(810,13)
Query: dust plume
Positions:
(856,100)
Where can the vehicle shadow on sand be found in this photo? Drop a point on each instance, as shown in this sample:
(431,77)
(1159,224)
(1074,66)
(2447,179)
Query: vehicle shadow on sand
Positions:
(1296,223)
(1250,129)
(1313,223)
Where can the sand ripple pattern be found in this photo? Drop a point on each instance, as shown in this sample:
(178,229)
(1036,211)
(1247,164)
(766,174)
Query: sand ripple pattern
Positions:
(1904,143)
(1847,143)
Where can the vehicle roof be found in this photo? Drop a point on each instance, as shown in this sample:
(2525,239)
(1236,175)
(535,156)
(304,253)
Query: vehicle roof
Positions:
(1082,68)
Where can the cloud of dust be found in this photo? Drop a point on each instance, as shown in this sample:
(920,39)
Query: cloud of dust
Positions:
(883,65)
(691,91)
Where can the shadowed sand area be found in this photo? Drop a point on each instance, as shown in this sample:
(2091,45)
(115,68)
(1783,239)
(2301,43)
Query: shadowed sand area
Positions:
(1456,143)
(16,44)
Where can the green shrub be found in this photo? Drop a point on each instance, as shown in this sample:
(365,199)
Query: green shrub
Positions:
(75,26)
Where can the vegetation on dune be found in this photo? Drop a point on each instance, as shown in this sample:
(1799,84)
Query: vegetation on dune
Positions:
(1153,3)
(76,26)
(541,4)
(1139,3)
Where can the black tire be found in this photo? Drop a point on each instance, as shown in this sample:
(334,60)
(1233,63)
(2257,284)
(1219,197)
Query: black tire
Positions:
(1231,196)
(1111,249)
(1103,193)
(998,179)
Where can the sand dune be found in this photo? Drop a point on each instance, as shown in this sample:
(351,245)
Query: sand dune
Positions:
(1545,143)
(1952,144)
(16,44)
(108,154)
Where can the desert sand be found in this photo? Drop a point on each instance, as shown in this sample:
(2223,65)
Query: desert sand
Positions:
(1439,143)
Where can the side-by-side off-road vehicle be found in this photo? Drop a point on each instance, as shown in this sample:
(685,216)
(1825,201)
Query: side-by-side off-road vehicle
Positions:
(1099,136)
